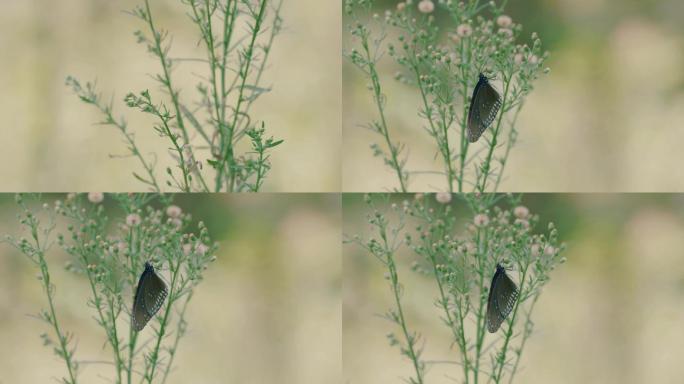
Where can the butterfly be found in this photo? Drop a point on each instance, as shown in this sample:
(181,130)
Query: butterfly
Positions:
(503,293)
(484,105)
(149,297)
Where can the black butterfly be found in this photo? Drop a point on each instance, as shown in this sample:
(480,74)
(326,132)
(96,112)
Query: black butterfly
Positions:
(149,297)
(484,105)
(503,294)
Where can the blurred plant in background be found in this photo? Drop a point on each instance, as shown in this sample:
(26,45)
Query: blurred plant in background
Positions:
(110,253)
(444,67)
(462,262)
(221,117)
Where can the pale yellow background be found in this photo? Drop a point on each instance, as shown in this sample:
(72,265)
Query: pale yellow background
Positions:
(612,314)
(268,310)
(609,117)
(50,141)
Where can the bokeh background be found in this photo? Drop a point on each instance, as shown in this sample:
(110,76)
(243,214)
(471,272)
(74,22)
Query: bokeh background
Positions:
(268,310)
(611,314)
(52,142)
(608,118)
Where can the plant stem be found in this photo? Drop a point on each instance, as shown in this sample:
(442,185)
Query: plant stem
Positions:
(481,326)
(49,291)
(443,147)
(444,302)
(526,334)
(394,278)
(180,331)
(486,166)
(509,333)
(166,80)
(244,70)
(154,356)
(378,97)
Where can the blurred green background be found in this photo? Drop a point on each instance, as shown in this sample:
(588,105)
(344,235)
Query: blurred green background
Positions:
(608,118)
(611,314)
(268,311)
(52,142)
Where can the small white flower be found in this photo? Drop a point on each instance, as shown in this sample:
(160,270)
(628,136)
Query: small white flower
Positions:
(504,21)
(518,58)
(426,6)
(549,250)
(133,219)
(464,30)
(401,6)
(173,211)
(535,250)
(481,220)
(201,249)
(443,197)
(521,212)
(95,197)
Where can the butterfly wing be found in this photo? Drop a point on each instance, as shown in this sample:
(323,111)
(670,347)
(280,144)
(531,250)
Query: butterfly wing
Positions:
(149,297)
(503,294)
(484,106)
(155,294)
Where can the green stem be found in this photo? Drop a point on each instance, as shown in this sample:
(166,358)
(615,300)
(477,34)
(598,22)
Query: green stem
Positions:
(154,356)
(167,77)
(486,166)
(501,362)
(377,96)
(444,302)
(180,331)
(45,274)
(410,340)
(480,329)
(228,156)
(526,334)
(444,149)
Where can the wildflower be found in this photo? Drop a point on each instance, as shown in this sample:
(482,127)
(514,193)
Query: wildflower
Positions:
(133,219)
(533,59)
(173,211)
(504,21)
(95,197)
(401,6)
(464,30)
(443,197)
(481,220)
(518,58)
(426,6)
(549,250)
(535,250)
(201,249)
(521,212)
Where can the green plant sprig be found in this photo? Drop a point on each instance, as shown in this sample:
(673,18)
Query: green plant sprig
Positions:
(110,253)
(461,260)
(236,62)
(35,250)
(443,64)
